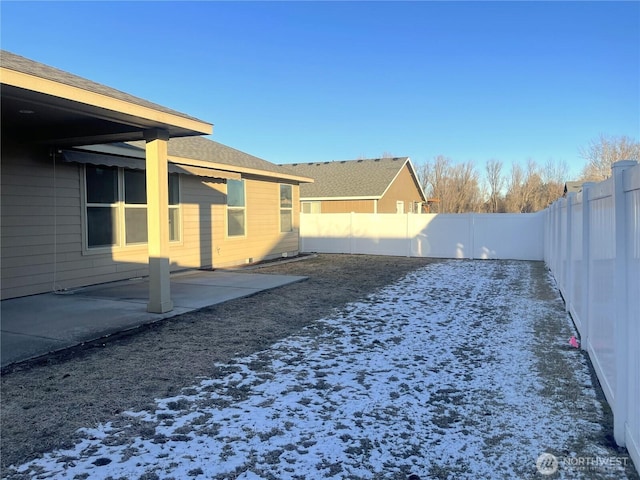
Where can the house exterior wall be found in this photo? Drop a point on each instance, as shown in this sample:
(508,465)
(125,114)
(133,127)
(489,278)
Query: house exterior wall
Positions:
(262,239)
(347,206)
(404,188)
(41,227)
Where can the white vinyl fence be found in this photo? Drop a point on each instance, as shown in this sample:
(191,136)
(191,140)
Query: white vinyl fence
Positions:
(482,236)
(592,246)
(590,241)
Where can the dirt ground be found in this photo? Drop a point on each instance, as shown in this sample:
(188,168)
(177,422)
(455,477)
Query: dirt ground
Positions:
(45,401)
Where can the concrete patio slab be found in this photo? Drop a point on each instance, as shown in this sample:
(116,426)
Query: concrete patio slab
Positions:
(40,324)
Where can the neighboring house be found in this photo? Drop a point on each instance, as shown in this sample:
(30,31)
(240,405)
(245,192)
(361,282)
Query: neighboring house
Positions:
(570,187)
(381,185)
(98,185)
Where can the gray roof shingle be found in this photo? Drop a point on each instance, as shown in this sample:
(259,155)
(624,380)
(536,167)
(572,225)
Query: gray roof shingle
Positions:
(17,63)
(200,148)
(349,178)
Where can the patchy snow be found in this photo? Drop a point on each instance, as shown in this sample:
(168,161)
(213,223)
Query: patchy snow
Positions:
(437,375)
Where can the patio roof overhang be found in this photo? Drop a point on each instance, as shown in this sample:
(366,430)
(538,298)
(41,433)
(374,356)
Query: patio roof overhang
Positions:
(43,111)
(42,105)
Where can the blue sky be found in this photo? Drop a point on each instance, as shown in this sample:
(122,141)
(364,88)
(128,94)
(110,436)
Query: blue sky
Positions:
(318,81)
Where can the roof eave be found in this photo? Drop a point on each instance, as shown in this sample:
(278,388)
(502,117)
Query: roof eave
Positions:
(233,168)
(361,197)
(103,106)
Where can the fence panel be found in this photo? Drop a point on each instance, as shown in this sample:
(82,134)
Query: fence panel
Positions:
(632,198)
(441,236)
(482,236)
(327,233)
(601,341)
(379,234)
(592,247)
(576,264)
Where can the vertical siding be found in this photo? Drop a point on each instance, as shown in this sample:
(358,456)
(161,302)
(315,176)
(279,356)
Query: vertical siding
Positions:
(403,188)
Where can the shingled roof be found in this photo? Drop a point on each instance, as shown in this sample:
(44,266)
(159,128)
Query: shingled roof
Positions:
(206,150)
(21,64)
(367,178)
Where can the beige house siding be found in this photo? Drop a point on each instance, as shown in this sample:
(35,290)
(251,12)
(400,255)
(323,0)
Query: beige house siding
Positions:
(42,228)
(404,188)
(200,198)
(262,239)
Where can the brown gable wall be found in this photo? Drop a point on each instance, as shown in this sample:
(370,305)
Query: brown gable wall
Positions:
(404,188)
(348,206)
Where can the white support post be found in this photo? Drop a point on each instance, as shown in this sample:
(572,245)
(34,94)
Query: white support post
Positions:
(158,221)
(621,318)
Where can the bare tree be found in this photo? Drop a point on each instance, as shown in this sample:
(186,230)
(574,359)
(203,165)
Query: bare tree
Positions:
(554,175)
(514,200)
(455,186)
(463,188)
(600,154)
(433,175)
(531,188)
(496,182)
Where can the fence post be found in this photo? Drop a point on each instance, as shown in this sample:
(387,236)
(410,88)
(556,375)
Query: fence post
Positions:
(585,341)
(556,244)
(552,235)
(621,317)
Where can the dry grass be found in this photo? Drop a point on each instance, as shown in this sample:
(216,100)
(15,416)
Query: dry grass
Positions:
(44,402)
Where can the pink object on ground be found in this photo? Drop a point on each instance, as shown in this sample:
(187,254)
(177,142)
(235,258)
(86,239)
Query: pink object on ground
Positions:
(573,341)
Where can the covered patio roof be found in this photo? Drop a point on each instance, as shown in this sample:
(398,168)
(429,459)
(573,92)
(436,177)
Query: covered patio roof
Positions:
(46,105)
(42,105)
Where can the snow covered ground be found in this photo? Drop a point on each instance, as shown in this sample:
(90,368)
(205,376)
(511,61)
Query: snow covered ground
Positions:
(460,370)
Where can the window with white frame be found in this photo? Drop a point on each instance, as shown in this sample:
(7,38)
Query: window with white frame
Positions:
(236,208)
(116,207)
(286,208)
